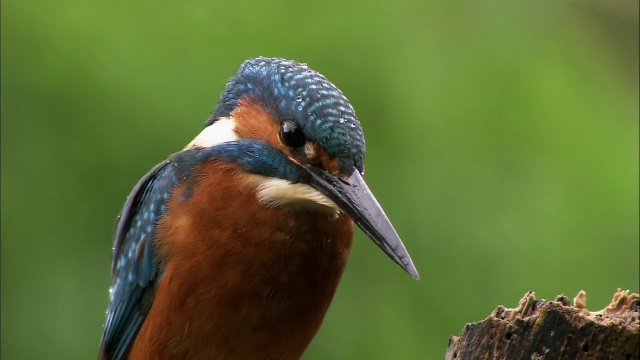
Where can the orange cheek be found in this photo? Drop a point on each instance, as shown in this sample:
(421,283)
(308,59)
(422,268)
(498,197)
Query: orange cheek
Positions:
(253,122)
(323,160)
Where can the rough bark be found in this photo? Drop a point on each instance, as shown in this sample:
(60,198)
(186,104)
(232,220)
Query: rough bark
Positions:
(540,329)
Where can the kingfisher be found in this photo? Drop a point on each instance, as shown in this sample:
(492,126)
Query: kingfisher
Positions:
(233,247)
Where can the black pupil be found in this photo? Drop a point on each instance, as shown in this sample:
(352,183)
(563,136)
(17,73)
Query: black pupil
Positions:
(292,135)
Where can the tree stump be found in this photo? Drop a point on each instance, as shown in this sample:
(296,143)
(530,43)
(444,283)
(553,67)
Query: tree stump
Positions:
(540,329)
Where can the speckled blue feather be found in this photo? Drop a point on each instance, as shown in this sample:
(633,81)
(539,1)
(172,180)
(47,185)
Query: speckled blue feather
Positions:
(292,91)
(134,268)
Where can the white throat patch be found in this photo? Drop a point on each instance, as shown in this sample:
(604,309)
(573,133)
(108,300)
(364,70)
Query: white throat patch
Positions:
(279,192)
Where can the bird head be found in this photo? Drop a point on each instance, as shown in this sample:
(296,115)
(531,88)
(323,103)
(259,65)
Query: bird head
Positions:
(300,140)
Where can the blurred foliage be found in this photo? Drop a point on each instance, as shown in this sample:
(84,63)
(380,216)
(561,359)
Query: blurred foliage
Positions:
(502,141)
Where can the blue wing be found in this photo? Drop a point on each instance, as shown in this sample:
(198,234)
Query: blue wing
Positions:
(135,268)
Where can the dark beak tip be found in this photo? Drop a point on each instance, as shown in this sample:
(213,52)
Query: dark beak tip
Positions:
(356,200)
(410,269)
(414,273)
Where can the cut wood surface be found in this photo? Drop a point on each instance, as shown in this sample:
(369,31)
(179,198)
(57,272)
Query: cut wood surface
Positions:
(541,329)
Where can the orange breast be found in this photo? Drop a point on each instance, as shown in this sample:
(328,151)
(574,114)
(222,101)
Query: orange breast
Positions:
(240,281)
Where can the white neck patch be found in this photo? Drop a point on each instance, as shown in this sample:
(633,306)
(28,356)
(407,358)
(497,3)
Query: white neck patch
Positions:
(221,131)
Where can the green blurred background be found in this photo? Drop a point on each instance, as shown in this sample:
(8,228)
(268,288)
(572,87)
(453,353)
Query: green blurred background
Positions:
(502,142)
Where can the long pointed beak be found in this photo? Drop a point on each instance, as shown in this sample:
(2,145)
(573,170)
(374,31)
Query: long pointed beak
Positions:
(354,198)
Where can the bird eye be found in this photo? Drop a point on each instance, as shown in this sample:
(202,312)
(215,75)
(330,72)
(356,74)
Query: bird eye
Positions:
(292,135)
